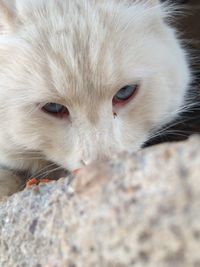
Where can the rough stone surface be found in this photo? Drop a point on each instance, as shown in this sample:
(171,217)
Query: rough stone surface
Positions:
(136,210)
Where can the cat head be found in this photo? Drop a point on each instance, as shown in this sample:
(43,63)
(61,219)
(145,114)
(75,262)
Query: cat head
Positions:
(81,80)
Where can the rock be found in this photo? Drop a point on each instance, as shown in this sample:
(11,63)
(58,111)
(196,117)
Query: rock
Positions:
(136,210)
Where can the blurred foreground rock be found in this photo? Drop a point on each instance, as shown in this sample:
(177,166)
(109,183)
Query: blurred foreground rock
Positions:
(138,210)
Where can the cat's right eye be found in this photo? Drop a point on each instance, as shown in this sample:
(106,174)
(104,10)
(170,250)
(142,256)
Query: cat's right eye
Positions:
(56,110)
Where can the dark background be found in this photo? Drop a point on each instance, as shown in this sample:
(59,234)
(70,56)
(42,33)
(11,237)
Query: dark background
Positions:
(188,24)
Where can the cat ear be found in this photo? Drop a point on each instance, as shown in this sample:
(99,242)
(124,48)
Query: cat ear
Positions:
(7,15)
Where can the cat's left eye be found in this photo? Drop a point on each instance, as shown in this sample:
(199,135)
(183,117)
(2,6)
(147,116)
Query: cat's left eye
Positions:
(55,110)
(125,94)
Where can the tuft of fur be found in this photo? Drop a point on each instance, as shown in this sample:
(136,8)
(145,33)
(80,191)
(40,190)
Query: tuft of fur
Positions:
(79,54)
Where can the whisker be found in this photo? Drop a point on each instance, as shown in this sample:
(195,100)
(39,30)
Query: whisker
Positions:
(168,129)
(41,174)
(48,172)
(41,171)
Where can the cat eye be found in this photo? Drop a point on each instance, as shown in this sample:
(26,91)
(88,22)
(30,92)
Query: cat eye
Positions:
(125,94)
(56,110)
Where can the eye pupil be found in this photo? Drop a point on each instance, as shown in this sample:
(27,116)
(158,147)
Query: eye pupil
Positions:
(55,109)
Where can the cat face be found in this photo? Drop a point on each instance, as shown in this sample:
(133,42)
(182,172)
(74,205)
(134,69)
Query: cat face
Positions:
(81,80)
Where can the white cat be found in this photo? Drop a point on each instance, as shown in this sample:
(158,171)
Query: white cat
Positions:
(81,80)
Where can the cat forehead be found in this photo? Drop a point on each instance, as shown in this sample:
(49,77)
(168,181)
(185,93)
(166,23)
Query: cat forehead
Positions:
(78,50)
(84,39)
(17,13)
(80,16)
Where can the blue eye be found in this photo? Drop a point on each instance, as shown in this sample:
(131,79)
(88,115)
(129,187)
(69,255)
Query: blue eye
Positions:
(125,93)
(55,109)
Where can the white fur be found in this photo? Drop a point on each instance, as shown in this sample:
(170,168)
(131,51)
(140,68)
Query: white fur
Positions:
(80,53)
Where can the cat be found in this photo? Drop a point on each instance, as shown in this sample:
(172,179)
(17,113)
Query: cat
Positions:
(82,80)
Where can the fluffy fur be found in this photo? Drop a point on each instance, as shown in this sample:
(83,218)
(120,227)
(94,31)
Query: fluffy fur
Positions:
(79,54)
